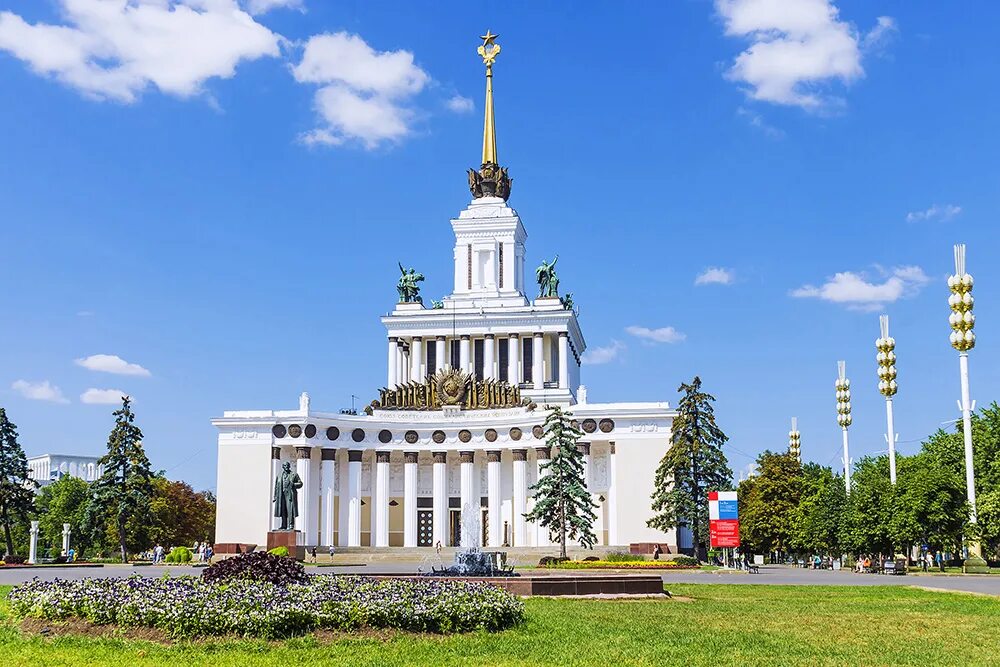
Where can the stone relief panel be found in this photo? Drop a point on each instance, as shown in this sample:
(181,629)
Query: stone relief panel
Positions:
(599,472)
(366,478)
(396,479)
(483,481)
(454,480)
(425,480)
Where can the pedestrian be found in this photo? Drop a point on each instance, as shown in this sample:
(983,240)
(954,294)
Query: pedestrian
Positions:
(437,547)
(208,554)
(331,551)
(313,554)
(656,552)
(938,560)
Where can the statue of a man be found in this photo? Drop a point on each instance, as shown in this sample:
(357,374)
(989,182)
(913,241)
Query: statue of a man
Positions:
(286,496)
(548,282)
(408,285)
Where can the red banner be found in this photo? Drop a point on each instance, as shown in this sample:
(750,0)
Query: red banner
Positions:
(724,532)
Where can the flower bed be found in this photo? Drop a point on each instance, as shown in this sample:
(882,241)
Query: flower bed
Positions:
(191,607)
(617,565)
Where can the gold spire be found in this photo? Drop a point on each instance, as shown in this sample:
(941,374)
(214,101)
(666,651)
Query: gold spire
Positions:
(489,50)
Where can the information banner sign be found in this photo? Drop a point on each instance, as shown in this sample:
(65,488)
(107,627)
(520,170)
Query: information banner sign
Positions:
(723,519)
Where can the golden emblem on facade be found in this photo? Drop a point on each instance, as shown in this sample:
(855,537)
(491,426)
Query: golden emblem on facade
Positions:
(449,386)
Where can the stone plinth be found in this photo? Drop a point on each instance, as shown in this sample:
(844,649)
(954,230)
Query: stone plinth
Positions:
(293,540)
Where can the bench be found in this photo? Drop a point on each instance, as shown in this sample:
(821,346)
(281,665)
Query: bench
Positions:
(753,569)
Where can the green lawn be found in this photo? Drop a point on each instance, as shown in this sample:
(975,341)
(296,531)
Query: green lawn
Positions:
(724,624)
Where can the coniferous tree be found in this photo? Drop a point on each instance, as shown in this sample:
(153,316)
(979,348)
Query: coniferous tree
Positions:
(121,496)
(16,489)
(562,502)
(693,466)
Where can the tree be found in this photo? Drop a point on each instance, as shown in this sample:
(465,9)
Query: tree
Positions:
(121,496)
(562,502)
(769,503)
(929,504)
(64,501)
(865,525)
(180,515)
(16,489)
(693,466)
(816,521)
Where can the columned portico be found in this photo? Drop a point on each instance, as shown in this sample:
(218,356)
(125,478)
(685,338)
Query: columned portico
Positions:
(489,356)
(493,496)
(354,497)
(563,360)
(416,359)
(469,502)
(380,500)
(328,499)
(441,359)
(520,492)
(542,456)
(409,499)
(392,377)
(513,359)
(463,354)
(440,490)
(538,361)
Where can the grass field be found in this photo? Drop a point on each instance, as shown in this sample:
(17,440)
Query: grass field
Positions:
(720,624)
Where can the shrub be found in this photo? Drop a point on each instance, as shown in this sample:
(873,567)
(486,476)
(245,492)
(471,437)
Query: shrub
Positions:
(279,551)
(14,559)
(622,557)
(686,560)
(549,561)
(59,560)
(257,566)
(192,607)
(591,558)
(179,555)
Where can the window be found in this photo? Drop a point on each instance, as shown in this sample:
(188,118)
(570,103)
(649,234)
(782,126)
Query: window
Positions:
(431,357)
(527,358)
(456,354)
(478,350)
(502,357)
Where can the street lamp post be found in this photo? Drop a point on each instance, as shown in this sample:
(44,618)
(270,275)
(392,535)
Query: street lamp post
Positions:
(795,440)
(963,339)
(843,386)
(886,358)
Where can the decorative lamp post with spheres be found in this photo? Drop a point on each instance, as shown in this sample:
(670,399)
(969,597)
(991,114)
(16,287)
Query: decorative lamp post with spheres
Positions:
(843,387)
(887,386)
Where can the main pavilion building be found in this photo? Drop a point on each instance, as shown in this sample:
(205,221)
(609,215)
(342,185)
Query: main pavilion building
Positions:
(455,438)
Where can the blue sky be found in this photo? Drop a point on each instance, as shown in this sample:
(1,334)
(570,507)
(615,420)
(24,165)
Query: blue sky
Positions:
(220,200)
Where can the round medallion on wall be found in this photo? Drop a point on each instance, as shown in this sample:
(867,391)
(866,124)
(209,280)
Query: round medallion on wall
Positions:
(332,433)
(411,437)
(491,435)
(575,424)
(515,433)
(384,436)
(537,431)
(358,434)
(278,431)
(464,435)
(310,430)
(294,430)
(438,437)
(607,425)
(589,425)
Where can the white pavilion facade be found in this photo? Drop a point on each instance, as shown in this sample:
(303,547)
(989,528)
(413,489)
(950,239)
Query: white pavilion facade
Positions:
(420,466)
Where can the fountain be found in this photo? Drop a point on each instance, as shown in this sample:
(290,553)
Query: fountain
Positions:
(473,561)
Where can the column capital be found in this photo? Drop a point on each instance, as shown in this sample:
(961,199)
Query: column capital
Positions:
(302,452)
(381,457)
(467,457)
(611,446)
(515,335)
(275,453)
(442,338)
(392,339)
(417,338)
(538,334)
(399,342)
(563,334)
(520,454)
(465,337)
(440,457)
(489,336)
(543,453)
(493,456)
(409,457)
(354,455)
(328,454)
(583,448)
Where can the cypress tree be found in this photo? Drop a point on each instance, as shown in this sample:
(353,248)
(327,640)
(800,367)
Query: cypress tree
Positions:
(16,489)
(121,496)
(562,501)
(692,467)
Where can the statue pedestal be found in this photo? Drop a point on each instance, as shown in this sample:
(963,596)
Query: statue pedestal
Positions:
(293,540)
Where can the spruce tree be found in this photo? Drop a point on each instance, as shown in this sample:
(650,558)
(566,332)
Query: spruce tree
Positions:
(121,496)
(16,489)
(562,502)
(692,467)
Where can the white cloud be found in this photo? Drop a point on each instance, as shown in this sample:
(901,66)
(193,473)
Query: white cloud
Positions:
(115,49)
(935,212)
(39,391)
(881,34)
(460,104)
(364,94)
(603,355)
(796,49)
(102,396)
(661,335)
(111,363)
(715,276)
(757,121)
(856,291)
(257,7)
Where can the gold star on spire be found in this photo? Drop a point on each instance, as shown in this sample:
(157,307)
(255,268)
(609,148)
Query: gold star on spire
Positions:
(489,51)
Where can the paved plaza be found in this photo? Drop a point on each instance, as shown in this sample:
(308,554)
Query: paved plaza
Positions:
(769,574)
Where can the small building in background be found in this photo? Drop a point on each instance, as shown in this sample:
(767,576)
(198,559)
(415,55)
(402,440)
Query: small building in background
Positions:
(48,468)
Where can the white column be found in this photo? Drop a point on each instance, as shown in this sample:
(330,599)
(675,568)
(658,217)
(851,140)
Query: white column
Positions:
(469,504)
(493,497)
(463,354)
(400,362)
(275,522)
(328,474)
(542,455)
(440,498)
(306,521)
(847,463)
(520,480)
(417,359)
(513,360)
(354,495)
(65,539)
(970,475)
(409,499)
(584,448)
(563,360)
(33,544)
(538,361)
(489,356)
(440,355)
(344,513)
(380,499)
(891,437)
(612,499)
(406,364)
(393,354)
